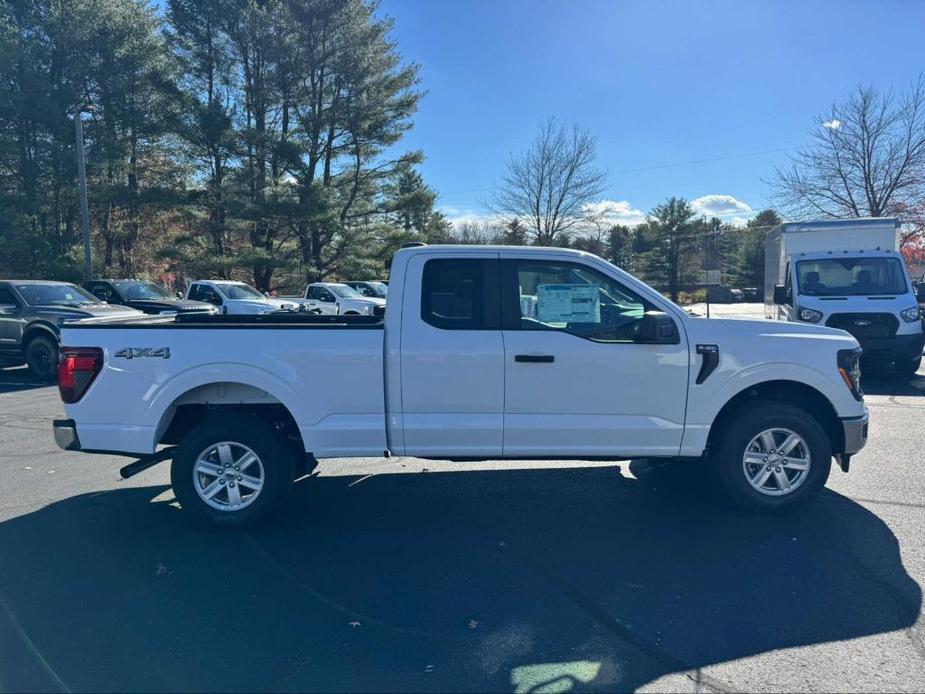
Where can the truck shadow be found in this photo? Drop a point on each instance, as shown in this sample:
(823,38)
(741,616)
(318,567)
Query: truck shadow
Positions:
(882,380)
(14,379)
(480,581)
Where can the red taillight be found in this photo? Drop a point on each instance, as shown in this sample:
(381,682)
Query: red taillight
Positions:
(77,367)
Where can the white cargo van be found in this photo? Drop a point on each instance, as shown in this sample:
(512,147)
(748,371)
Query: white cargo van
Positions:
(846,274)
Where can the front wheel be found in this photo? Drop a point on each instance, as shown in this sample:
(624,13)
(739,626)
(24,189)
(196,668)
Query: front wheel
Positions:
(42,358)
(908,367)
(233,470)
(772,457)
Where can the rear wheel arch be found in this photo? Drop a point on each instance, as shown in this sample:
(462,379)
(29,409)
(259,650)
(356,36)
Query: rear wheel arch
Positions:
(199,403)
(792,393)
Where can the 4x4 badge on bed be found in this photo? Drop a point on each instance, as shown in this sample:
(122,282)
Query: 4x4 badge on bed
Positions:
(136,352)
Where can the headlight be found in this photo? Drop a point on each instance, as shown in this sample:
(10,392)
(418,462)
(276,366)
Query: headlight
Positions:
(910,315)
(368,310)
(810,315)
(849,366)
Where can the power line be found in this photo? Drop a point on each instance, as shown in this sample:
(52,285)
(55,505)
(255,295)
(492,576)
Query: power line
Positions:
(706,161)
(655,167)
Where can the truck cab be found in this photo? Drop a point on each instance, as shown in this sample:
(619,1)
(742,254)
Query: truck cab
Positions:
(847,275)
(342,299)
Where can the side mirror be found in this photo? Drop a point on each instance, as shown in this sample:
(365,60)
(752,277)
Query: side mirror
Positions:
(658,328)
(8,309)
(780,294)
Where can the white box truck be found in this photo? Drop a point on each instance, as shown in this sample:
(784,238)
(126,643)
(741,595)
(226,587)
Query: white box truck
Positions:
(846,274)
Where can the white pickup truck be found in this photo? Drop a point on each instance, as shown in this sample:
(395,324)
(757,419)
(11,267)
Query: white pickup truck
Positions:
(484,352)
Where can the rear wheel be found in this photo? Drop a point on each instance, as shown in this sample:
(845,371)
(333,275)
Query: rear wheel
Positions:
(42,357)
(772,457)
(233,470)
(908,367)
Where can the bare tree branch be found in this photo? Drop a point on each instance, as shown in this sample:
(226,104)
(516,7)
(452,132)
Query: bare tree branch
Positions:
(548,186)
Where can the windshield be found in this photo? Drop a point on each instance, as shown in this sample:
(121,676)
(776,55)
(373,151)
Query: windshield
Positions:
(133,291)
(345,292)
(850,277)
(239,291)
(381,290)
(56,294)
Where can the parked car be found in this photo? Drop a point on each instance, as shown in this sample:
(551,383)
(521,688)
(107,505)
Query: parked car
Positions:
(751,295)
(847,274)
(375,289)
(485,352)
(145,296)
(31,315)
(235,298)
(337,298)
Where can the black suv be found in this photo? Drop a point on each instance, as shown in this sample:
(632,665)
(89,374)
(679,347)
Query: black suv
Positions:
(145,296)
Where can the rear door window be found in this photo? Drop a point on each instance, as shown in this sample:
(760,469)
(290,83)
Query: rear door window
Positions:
(461,294)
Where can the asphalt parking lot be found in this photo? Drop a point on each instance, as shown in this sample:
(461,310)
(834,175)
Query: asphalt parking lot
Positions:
(411,575)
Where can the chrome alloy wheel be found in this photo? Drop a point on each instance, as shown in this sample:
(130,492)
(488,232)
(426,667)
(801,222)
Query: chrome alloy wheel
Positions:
(776,462)
(228,476)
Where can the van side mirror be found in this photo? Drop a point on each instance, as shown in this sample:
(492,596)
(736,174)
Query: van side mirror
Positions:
(658,328)
(780,294)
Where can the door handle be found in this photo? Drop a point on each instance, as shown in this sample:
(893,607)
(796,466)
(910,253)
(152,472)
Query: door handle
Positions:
(534,358)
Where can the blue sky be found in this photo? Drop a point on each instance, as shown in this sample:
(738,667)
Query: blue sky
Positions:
(660,84)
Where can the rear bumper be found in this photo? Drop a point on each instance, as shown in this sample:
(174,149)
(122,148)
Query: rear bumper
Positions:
(66,434)
(901,347)
(855,430)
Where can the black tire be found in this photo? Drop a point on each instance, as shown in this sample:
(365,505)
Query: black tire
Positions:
(727,456)
(42,358)
(908,367)
(277,458)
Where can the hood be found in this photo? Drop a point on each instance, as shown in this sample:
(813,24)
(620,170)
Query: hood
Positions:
(179,305)
(800,334)
(283,303)
(86,311)
(364,300)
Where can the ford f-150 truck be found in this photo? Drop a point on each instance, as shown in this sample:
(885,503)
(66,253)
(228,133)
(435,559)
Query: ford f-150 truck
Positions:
(483,353)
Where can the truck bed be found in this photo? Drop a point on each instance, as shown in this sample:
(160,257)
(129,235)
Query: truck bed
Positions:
(326,370)
(269,320)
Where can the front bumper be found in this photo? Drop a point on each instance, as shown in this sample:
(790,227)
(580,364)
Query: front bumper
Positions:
(898,347)
(855,430)
(66,434)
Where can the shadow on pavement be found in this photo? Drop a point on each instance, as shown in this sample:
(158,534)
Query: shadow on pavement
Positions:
(17,378)
(483,581)
(878,379)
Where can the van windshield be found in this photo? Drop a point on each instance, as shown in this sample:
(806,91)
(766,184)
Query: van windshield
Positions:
(850,277)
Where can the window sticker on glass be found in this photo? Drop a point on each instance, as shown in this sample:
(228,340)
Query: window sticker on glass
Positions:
(568,303)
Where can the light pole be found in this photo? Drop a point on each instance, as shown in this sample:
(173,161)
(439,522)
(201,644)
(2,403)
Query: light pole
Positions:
(84,207)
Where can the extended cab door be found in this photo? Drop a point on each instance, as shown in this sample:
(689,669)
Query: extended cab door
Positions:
(10,320)
(577,382)
(452,357)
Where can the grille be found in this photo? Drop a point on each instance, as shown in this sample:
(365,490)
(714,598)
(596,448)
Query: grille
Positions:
(379,311)
(871,326)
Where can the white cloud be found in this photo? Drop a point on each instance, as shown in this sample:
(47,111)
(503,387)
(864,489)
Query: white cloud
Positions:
(833,124)
(721,206)
(610,212)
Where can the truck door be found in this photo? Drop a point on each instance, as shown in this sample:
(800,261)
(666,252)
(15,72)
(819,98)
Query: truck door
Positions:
(452,357)
(10,320)
(577,383)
